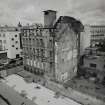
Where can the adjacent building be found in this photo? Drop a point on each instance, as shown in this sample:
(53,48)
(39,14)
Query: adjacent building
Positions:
(93,59)
(94,66)
(97,34)
(10,41)
(92,36)
(38,47)
(85,39)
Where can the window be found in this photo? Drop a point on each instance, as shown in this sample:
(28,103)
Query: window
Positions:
(17,56)
(37,42)
(46,12)
(16,42)
(51,53)
(42,52)
(93,65)
(50,43)
(37,52)
(12,45)
(17,48)
(16,29)
(51,64)
(41,42)
(15,35)
(12,39)
(3,35)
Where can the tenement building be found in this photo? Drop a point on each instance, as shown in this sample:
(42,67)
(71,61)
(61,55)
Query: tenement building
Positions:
(38,47)
(52,50)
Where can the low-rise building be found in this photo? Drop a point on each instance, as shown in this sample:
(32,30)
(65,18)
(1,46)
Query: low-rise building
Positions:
(95,65)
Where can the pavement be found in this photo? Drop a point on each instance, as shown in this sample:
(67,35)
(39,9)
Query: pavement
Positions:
(35,92)
(85,98)
(88,87)
(12,96)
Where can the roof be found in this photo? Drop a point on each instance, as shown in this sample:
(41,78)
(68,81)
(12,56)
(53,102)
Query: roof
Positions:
(64,19)
(75,24)
(49,11)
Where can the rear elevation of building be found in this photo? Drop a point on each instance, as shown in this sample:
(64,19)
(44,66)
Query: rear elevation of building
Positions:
(66,47)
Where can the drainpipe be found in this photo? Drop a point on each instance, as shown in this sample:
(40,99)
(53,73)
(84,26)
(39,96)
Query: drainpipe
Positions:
(78,52)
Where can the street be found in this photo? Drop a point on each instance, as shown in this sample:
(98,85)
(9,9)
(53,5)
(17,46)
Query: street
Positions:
(35,92)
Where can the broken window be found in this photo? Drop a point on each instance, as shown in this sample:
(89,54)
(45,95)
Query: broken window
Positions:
(93,65)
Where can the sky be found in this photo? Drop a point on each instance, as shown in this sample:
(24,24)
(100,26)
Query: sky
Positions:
(30,11)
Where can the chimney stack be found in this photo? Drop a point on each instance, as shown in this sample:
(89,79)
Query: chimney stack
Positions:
(49,18)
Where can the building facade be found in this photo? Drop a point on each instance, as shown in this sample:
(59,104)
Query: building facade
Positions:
(38,50)
(95,66)
(38,46)
(97,34)
(92,36)
(10,41)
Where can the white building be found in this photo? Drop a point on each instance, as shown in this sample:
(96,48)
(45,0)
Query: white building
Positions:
(85,39)
(10,41)
(97,34)
(93,35)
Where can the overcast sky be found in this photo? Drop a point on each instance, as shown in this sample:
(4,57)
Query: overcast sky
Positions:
(30,11)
